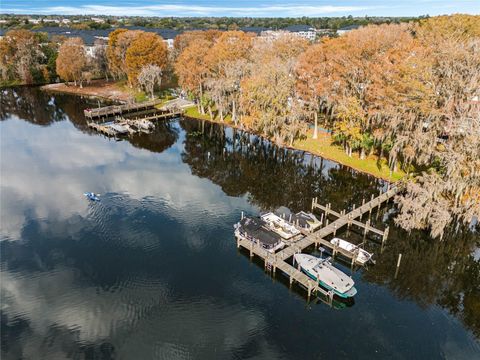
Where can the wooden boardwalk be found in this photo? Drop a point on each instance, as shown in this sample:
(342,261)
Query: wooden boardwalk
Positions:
(159,116)
(108,111)
(278,260)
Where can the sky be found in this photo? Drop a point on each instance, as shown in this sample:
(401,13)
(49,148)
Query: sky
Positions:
(250,8)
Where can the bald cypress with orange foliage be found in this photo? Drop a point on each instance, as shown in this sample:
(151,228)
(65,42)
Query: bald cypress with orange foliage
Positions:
(410,91)
(145,49)
(71,60)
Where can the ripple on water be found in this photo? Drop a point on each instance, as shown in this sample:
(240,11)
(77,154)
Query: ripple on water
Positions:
(118,220)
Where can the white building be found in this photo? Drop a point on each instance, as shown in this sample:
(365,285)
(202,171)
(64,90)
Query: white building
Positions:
(303,31)
(346,29)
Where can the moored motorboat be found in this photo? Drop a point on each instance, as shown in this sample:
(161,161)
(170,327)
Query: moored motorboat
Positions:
(279,225)
(327,275)
(362,257)
(256,230)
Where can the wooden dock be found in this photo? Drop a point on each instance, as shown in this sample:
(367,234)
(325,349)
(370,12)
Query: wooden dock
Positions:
(108,129)
(108,111)
(103,129)
(317,238)
(159,116)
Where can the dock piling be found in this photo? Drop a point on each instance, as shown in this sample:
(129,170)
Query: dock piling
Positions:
(398,264)
(385,234)
(317,238)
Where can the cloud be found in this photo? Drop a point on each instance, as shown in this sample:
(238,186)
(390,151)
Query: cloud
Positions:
(45,179)
(195,10)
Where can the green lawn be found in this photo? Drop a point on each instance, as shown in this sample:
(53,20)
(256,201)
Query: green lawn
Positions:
(323,147)
(193,112)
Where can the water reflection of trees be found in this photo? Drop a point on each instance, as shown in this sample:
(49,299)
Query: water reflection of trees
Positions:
(443,273)
(244,164)
(29,104)
(160,139)
(42,108)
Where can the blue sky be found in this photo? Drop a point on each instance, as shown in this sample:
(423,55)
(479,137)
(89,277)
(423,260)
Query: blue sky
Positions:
(258,8)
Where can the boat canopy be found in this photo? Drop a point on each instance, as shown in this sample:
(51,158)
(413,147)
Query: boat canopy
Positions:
(256,228)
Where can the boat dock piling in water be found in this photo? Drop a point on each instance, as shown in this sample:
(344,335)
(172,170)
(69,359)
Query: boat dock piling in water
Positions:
(274,261)
(124,126)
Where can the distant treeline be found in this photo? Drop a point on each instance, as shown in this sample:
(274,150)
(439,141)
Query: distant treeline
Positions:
(191,23)
(409,93)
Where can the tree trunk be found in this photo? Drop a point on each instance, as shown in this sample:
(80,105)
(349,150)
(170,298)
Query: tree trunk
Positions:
(234,113)
(362,153)
(210,112)
(202,108)
(315,129)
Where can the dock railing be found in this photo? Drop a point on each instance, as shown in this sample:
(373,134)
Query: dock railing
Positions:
(278,260)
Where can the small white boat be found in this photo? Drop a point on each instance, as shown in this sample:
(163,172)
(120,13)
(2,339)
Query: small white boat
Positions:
(280,226)
(119,129)
(327,275)
(363,256)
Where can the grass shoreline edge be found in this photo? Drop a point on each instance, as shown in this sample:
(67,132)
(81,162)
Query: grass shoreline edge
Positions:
(320,147)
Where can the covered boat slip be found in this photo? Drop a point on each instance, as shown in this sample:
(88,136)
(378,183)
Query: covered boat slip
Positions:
(255,231)
(305,222)
(280,226)
(274,261)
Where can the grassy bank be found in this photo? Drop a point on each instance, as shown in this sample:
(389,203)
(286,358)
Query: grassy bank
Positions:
(324,147)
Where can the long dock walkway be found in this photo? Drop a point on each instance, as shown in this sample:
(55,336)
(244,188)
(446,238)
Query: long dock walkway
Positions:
(113,110)
(278,260)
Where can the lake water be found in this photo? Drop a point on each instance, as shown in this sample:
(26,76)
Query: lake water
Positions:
(152,270)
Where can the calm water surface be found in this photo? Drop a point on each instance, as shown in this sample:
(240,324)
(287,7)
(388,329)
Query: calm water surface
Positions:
(152,271)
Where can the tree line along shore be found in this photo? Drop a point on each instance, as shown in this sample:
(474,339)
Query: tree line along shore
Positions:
(404,97)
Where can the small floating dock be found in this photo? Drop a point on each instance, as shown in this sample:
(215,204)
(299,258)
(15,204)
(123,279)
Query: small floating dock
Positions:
(274,261)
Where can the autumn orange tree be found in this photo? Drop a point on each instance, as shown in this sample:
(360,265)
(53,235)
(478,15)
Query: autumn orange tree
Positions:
(71,60)
(187,38)
(119,41)
(410,92)
(268,95)
(21,55)
(412,89)
(227,62)
(447,141)
(190,64)
(146,49)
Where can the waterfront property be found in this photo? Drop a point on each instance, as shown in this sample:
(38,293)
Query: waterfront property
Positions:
(277,260)
(151,271)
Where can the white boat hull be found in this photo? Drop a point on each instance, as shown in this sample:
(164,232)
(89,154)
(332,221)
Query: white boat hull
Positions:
(280,226)
(326,274)
(362,257)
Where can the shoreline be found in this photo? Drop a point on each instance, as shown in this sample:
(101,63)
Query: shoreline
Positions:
(107,90)
(302,145)
(111,91)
